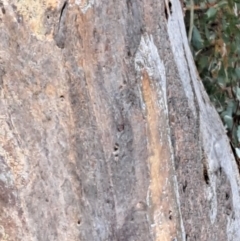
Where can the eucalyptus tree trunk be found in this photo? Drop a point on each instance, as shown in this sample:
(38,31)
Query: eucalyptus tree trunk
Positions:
(106,132)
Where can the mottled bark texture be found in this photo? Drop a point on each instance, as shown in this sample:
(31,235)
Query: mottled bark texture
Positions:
(106,132)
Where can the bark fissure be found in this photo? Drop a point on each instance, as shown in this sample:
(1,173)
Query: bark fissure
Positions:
(60,35)
(106,133)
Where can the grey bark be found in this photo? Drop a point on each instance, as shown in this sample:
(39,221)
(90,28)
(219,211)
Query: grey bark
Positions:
(106,132)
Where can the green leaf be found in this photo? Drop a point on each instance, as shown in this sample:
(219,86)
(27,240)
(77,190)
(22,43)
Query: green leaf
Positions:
(238,133)
(203,63)
(227,115)
(207,33)
(237,90)
(230,72)
(222,3)
(222,78)
(225,24)
(211,13)
(237,152)
(228,121)
(237,71)
(236,1)
(197,41)
(203,5)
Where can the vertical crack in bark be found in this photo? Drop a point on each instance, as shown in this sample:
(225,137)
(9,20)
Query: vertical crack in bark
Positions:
(60,35)
(205,169)
(62,11)
(168,9)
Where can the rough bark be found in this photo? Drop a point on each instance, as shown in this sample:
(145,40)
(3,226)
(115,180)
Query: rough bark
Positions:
(106,132)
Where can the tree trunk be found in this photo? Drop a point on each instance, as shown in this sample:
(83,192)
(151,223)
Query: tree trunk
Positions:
(106,132)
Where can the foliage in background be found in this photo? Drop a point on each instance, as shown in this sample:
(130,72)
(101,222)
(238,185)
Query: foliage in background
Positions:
(215,43)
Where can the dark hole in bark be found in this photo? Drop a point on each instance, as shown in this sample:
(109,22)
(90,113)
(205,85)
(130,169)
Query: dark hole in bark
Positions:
(170,215)
(120,127)
(166,14)
(227,196)
(205,174)
(61,97)
(3,10)
(169,7)
(220,171)
(116,146)
(115,150)
(79,222)
(184,186)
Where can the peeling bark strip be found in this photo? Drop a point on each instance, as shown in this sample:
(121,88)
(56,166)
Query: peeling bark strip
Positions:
(106,132)
(160,169)
(153,76)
